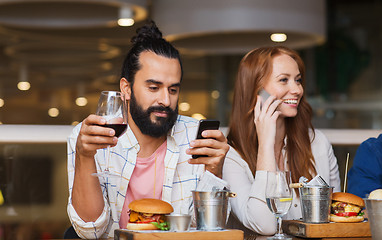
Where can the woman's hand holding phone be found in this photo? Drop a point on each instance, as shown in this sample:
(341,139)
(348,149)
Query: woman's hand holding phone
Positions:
(265,117)
(264,96)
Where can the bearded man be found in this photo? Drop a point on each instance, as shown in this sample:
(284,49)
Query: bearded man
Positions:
(153,157)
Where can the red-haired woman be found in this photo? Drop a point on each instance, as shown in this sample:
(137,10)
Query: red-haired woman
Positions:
(272,134)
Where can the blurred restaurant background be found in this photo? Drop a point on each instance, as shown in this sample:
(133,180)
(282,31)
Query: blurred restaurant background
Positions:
(56,56)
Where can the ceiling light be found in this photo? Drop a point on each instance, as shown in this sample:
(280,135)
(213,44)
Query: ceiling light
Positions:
(184,106)
(1,102)
(74,123)
(53,112)
(278,37)
(215,94)
(81,101)
(23,83)
(239,35)
(198,116)
(126,22)
(23,86)
(126,17)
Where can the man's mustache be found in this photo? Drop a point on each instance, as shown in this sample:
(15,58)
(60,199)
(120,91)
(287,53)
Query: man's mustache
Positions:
(160,109)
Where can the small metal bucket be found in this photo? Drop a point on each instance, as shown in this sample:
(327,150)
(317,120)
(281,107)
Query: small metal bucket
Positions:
(315,203)
(211,209)
(374,212)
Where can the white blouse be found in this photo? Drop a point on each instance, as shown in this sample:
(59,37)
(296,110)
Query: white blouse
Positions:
(249,208)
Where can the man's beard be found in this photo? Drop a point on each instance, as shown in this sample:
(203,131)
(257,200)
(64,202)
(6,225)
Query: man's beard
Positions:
(142,118)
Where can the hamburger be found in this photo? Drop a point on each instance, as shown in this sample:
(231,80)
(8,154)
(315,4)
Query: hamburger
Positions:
(148,214)
(346,207)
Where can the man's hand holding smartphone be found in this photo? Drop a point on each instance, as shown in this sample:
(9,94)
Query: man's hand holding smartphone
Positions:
(209,148)
(205,124)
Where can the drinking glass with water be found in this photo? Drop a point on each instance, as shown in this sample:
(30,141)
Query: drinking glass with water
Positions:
(279,198)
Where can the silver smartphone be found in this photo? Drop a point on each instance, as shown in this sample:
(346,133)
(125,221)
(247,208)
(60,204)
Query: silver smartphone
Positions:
(264,95)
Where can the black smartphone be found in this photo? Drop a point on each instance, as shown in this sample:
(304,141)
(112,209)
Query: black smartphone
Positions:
(206,124)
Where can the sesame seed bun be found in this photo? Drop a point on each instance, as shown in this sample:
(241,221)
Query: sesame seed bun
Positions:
(150,205)
(348,198)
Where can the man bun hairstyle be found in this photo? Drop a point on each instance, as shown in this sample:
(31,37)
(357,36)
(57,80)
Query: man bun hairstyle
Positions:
(148,38)
(148,32)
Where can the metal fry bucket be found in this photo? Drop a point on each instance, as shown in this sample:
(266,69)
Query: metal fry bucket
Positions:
(374,212)
(211,209)
(315,203)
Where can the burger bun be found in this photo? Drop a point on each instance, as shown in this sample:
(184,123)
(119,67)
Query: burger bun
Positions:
(151,205)
(335,218)
(376,194)
(348,198)
(141,226)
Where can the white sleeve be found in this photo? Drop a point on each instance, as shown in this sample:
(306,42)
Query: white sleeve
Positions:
(249,205)
(88,230)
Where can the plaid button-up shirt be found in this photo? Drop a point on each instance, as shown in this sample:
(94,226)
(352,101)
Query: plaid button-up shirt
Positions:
(180,177)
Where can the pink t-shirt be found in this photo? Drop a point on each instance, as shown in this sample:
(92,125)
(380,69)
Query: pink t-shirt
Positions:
(145,182)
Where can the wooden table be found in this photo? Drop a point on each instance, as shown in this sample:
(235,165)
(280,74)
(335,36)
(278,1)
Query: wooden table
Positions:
(353,231)
(228,234)
(299,230)
(339,238)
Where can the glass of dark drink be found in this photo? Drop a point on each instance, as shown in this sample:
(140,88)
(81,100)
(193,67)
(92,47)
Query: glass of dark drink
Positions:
(112,107)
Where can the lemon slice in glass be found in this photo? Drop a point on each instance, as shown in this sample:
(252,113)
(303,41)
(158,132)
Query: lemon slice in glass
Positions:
(285,199)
